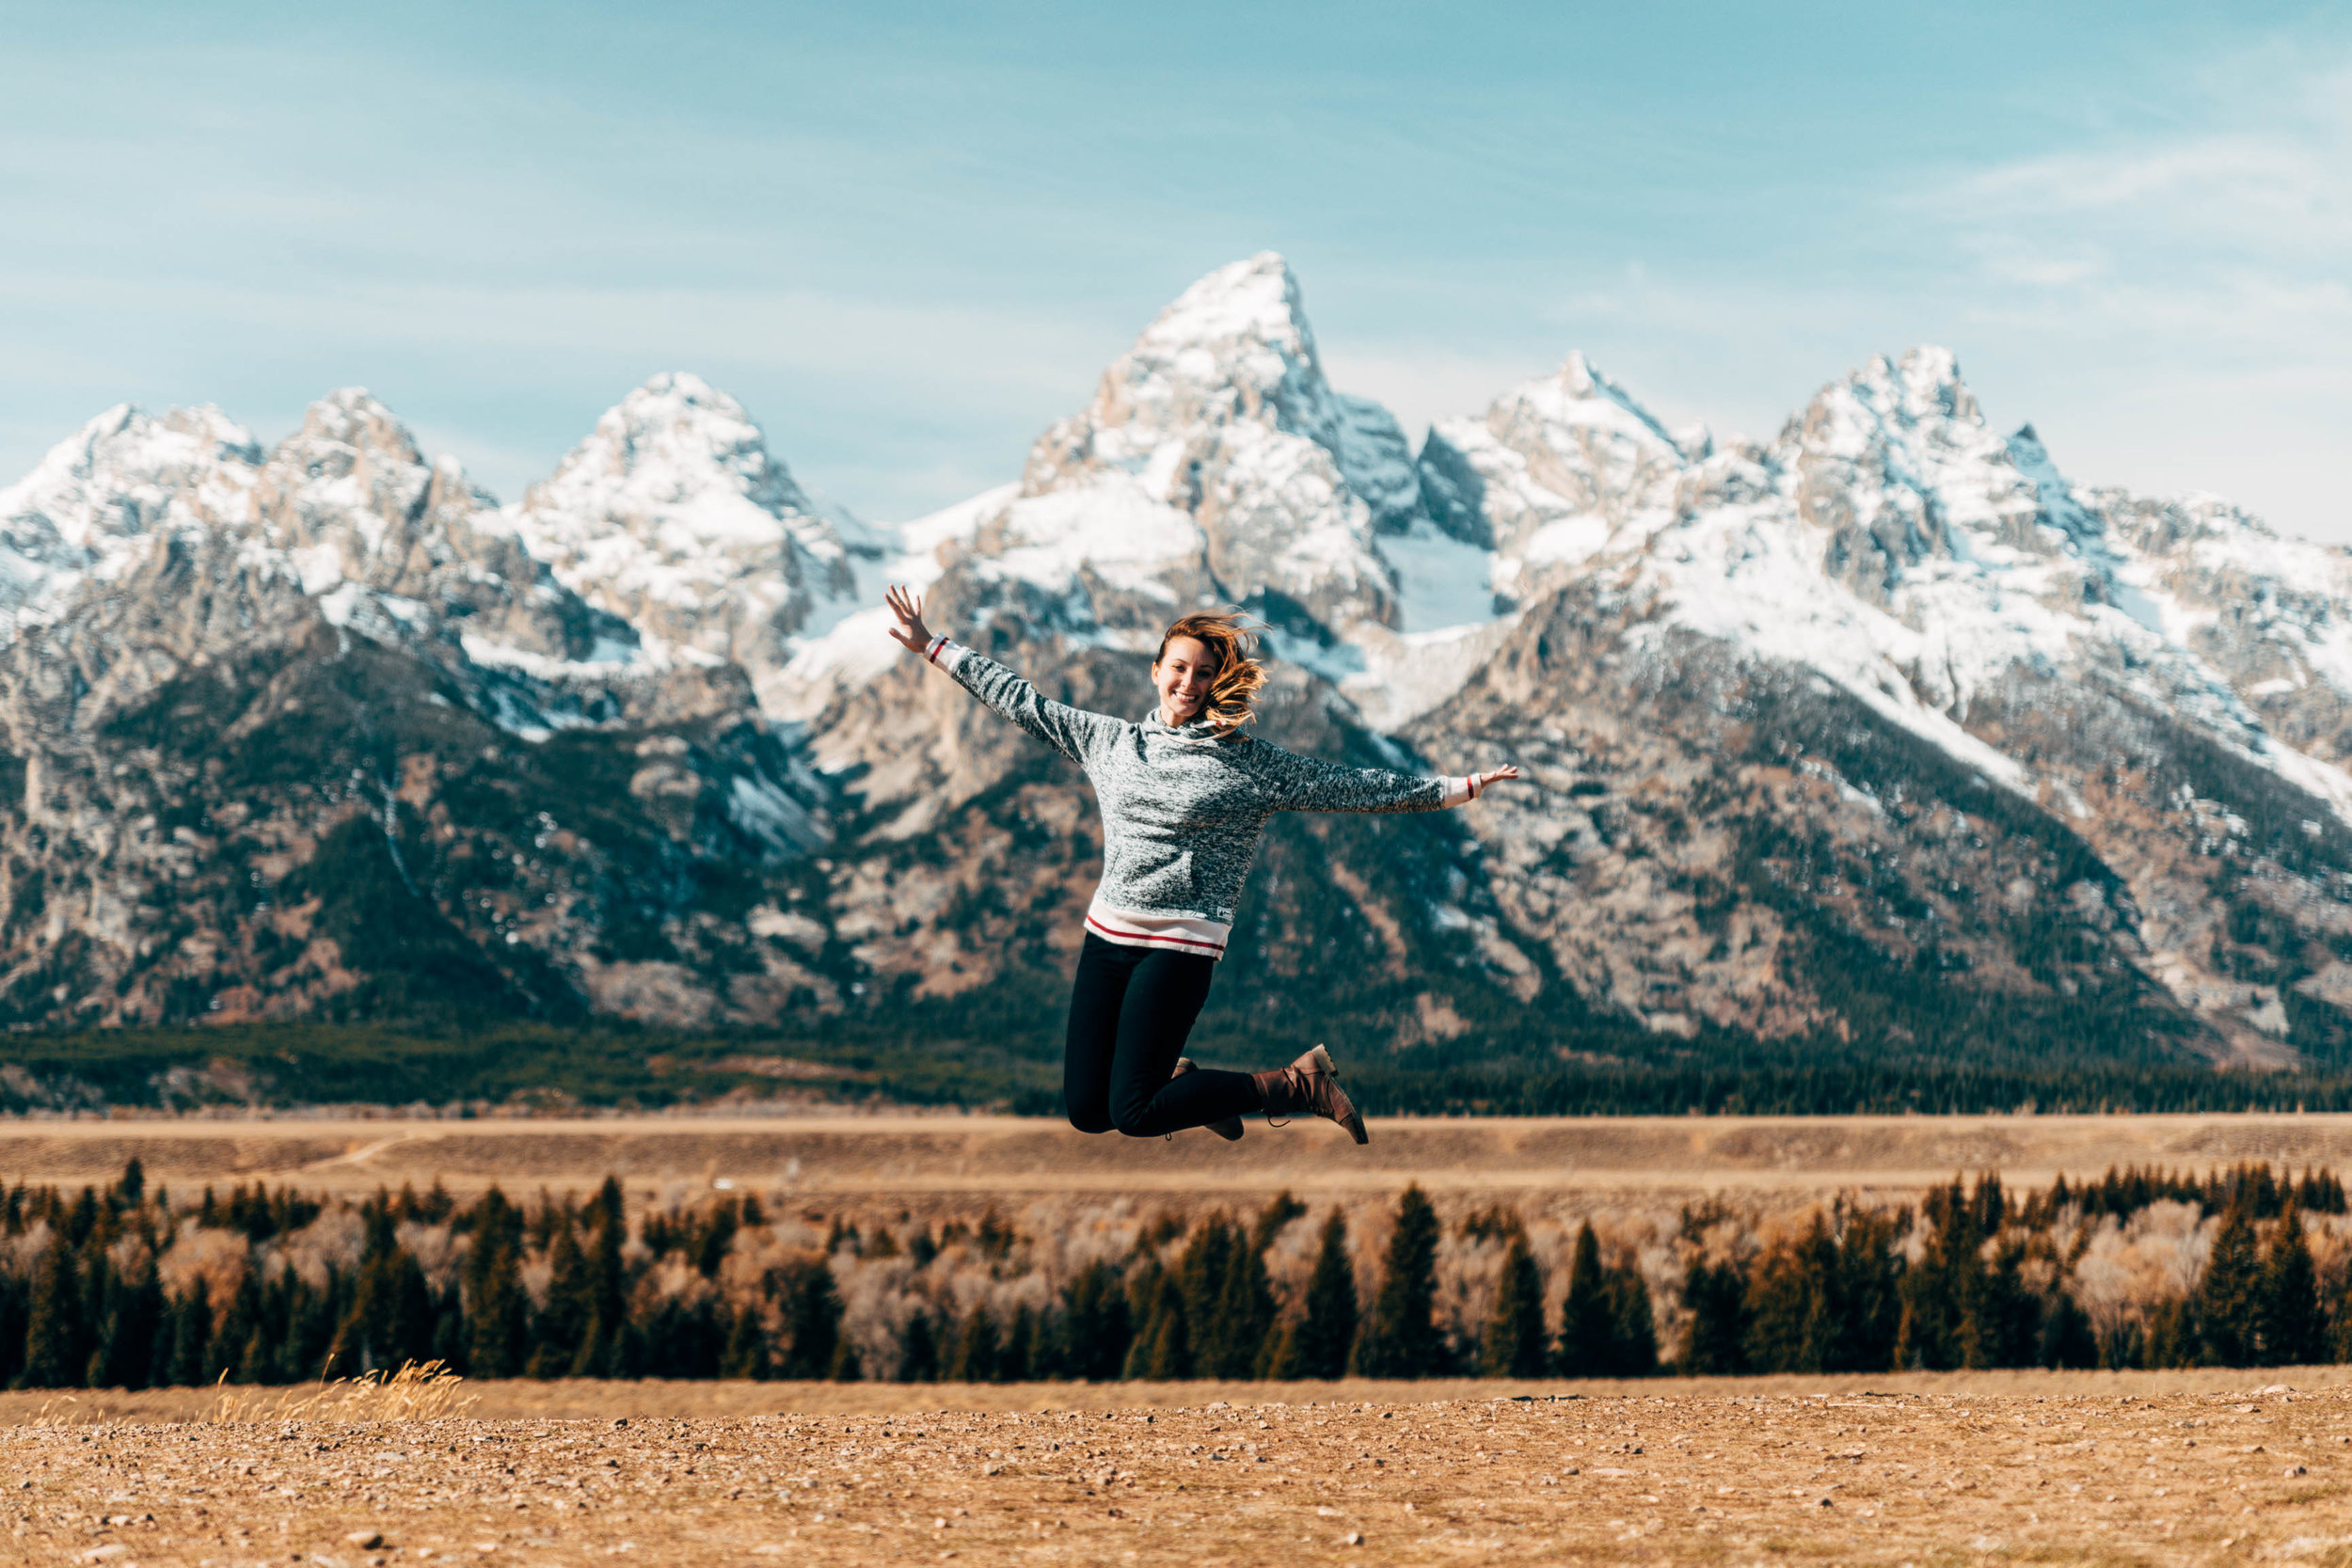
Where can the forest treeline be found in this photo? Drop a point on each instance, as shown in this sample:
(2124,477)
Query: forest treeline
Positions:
(124,1287)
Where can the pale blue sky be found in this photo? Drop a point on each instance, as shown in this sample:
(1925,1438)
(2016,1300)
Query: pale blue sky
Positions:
(908,244)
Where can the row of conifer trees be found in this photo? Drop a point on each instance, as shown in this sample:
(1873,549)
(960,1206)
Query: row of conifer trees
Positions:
(1972,1277)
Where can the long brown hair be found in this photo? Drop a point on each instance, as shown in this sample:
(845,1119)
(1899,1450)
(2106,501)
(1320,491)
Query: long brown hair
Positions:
(1231,641)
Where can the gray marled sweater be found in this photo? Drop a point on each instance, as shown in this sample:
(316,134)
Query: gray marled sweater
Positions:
(1182,811)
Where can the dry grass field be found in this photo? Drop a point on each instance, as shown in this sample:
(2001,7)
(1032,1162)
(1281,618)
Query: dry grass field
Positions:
(1969,1468)
(954,1163)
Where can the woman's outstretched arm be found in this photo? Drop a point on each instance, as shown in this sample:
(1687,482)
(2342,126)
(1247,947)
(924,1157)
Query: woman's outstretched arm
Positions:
(1071,731)
(1308,783)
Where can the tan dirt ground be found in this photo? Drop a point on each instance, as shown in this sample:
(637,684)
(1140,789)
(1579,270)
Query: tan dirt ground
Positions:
(1965,1468)
(943,1162)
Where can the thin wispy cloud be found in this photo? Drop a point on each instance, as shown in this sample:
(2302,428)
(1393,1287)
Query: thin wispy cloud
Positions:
(909,247)
(2216,258)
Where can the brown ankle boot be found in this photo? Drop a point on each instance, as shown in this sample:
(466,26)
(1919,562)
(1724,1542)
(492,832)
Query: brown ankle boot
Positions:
(1311,1084)
(1230,1128)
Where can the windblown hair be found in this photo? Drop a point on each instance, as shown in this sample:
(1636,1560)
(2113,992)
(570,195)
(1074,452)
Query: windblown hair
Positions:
(1231,641)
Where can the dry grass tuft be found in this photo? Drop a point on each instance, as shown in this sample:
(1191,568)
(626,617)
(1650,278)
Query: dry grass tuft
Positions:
(420,1391)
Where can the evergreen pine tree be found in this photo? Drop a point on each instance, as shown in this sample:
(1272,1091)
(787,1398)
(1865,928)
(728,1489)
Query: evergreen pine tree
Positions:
(746,1355)
(225,1352)
(918,1350)
(81,1221)
(2292,1332)
(1402,1339)
(685,1339)
(15,1308)
(56,1350)
(1588,1316)
(1789,1307)
(167,1335)
(100,1286)
(1095,1325)
(124,1353)
(313,1316)
(977,1348)
(1018,1362)
(1868,1291)
(1632,1325)
(266,1357)
(561,1324)
(1165,1343)
(449,1329)
(1940,1292)
(496,1305)
(1272,1218)
(1717,1297)
(1241,1316)
(409,1324)
(2227,1300)
(1142,1285)
(2067,1340)
(2172,1337)
(812,1320)
(194,1315)
(2003,1323)
(1204,1273)
(389,1321)
(1320,1344)
(1512,1344)
(605,1286)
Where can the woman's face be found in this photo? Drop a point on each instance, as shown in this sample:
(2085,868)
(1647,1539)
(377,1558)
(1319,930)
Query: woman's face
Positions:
(1182,679)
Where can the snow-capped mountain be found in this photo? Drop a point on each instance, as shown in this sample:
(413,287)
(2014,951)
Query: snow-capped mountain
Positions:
(1213,465)
(1881,736)
(85,509)
(271,720)
(673,516)
(2068,650)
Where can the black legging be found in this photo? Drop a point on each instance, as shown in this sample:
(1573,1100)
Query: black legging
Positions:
(1129,1013)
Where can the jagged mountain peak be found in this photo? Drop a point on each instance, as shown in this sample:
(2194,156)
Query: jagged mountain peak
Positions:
(1897,465)
(1236,349)
(676,456)
(1235,346)
(87,507)
(125,448)
(354,419)
(1257,299)
(351,489)
(1582,398)
(1557,470)
(673,514)
(1924,386)
(1216,462)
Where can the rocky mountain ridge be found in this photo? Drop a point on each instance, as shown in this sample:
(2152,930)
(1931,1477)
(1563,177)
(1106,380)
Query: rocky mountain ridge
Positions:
(1880,736)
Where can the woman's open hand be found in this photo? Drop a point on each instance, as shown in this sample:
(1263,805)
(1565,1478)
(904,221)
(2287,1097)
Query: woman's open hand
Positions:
(907,605)
(1478,781)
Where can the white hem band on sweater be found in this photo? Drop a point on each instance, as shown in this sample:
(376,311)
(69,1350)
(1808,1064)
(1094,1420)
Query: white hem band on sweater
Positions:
(1170,933)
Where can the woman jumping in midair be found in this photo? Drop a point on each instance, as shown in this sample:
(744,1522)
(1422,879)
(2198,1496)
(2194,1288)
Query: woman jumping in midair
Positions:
(1183,795)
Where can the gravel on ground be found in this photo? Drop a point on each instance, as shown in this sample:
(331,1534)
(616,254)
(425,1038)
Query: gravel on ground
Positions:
(1916,1470)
